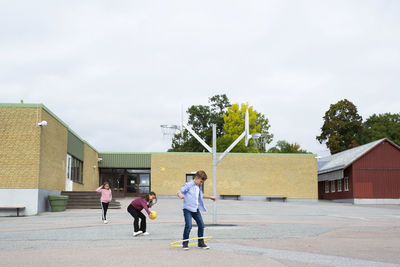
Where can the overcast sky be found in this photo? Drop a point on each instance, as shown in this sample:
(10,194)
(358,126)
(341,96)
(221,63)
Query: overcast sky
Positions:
(115,70)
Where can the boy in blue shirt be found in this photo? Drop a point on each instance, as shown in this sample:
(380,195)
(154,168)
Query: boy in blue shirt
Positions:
(192,205)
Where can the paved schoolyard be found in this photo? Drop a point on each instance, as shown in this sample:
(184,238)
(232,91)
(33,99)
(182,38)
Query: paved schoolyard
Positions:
(250,233)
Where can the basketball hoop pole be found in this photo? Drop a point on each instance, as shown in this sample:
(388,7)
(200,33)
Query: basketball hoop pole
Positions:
(213,151)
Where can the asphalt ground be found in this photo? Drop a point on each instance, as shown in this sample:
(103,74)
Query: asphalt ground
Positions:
(248,233)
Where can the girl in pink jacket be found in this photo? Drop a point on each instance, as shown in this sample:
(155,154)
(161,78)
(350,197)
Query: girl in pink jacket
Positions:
(105,199)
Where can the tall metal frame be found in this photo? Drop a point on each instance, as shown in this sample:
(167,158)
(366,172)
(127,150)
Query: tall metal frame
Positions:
(213,151)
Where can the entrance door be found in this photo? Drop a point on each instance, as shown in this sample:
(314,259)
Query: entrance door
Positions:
(137,182)
(144,185)
(118,182)
(115,179)
(68,179)
(132,181)
(126,182)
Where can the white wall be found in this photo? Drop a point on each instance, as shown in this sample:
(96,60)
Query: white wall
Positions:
(377,201)
(43,202)
(27,198)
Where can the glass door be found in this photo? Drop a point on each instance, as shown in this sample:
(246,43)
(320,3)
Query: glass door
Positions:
(132,183)
(116,179)
(68,179)
(144,186)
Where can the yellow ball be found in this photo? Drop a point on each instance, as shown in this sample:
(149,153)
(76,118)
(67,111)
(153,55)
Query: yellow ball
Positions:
(153,215)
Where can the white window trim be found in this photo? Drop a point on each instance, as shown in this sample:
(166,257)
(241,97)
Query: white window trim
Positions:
(339,185)
(326,186)
(333,186)
(346,183)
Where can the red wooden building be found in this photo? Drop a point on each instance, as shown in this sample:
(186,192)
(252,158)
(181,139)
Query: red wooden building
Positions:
(367,174)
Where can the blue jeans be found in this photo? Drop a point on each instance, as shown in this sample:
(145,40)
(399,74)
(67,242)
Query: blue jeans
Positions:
(188,223)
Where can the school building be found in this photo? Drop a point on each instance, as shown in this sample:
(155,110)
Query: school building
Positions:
(40,155)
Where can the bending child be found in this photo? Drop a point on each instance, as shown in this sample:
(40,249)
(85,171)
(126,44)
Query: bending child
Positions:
(192,205)
(135,209)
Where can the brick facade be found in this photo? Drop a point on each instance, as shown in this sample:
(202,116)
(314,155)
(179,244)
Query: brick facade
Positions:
(291,175)
(53,154)
(19,147)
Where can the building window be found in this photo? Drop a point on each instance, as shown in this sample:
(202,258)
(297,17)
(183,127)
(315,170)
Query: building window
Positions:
(346,183)
(190,177)
(333,186)
(76,170)
(326,186)
(339,185)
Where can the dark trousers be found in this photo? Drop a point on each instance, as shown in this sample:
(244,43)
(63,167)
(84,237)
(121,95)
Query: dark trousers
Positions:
(104,208)
(137,215)
(188,223)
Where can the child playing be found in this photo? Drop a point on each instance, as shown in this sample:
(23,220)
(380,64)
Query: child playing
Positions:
(135,210)
(192,205)
(106,197)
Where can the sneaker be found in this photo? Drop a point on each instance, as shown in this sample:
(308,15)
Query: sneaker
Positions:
(185,245)
(137,233)
(203,245)
(105,221)
(146,233)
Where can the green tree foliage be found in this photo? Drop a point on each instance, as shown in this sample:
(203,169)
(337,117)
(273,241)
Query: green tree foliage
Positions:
(234,126)
(380,126)
(342,124)
(201,118)
(283,146)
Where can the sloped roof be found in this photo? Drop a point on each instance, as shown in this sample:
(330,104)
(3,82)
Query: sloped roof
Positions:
(343,159)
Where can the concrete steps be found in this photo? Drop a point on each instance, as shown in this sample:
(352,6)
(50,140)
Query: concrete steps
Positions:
(87,200)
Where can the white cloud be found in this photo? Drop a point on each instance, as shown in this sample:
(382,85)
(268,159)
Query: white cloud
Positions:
(115,71)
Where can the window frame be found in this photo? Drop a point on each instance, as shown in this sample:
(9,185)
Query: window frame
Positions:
(192,175)
(333,186)
(76,173)
(339,185)
(346,184)
(327,186)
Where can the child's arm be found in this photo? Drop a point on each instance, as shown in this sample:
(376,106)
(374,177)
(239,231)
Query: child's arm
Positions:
(99,189)
(144,204)
(181,193)
(209,197)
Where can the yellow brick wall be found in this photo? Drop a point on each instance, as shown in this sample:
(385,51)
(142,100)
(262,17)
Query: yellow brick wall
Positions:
(53,153)
(90,174)
(168,171)
(19,147)
(291,175)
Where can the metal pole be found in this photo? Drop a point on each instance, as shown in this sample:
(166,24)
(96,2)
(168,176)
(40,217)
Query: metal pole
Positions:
(198,138)
(214,159)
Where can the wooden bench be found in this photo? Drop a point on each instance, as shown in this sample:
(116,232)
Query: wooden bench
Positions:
(237,197)
(270,198)
(18,208)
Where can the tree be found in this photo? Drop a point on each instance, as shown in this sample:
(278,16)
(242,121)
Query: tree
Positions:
(201,118)
(341,126)
(380,126)
(283,146)
(234,126)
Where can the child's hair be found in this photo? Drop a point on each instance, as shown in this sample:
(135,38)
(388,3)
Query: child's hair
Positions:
(152,202)
(147,197)
(104,184)
(202,175)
